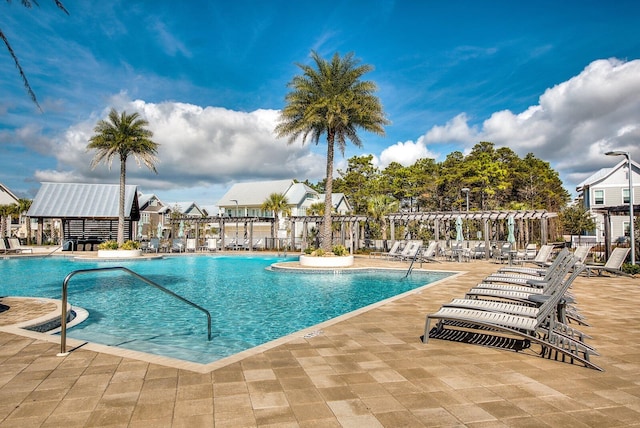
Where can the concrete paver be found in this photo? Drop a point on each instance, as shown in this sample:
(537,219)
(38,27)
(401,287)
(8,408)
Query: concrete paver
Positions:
(367,370)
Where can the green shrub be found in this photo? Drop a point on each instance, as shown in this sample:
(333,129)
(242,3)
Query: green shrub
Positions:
(630,269)
(340,250)
(308,251)
(130,245)
(108,245)
(317,253)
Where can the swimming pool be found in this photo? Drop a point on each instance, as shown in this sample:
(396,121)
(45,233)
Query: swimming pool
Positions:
(249,304)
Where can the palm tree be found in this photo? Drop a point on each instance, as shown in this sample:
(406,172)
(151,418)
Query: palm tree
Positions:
(379,206)
(316,208)
(276,203)
(331,99)
(27,4)
(123,135)
(23,207)
(6,211)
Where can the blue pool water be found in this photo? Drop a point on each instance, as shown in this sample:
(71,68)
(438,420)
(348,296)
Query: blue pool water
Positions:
(249,304)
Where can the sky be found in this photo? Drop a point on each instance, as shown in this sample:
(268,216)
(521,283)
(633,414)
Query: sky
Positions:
(559,79)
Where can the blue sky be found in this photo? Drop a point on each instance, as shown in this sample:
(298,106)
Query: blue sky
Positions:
(558,79)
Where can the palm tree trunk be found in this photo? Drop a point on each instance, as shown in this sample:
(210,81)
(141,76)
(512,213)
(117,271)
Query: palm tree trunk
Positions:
(123,175)
(328,205)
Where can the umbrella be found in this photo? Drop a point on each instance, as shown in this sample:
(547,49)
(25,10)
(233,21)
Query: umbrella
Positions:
(510,226)
(159,230)
(459,235)
(139,230)
(181,229)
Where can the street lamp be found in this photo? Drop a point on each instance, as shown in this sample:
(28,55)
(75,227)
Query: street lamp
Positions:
(237,215)
(631,231)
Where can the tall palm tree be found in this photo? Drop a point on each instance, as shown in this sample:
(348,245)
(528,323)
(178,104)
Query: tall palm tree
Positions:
(23,207)
(276,203)
(331,99)
(123,135)
(27,4)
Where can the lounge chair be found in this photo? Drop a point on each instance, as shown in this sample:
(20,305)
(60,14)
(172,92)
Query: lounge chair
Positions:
(191,245)
(479,251)
(394,251)
(429,254)
(515,332)
(614,263)
(523,275)
(541,259)
(14,245)
(153,245)
(582,252)
(410,251)
(212,245)
(177,245)
(4,248)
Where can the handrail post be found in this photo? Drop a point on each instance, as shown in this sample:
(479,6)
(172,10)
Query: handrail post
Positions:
(65,286)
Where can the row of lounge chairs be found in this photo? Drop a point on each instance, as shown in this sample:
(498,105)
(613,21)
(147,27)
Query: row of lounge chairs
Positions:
(13,246)
(519,310)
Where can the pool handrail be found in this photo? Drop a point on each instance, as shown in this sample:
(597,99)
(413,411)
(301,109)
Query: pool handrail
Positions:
(65,286)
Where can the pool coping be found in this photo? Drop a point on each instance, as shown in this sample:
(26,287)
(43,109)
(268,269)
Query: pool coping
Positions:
(315,330)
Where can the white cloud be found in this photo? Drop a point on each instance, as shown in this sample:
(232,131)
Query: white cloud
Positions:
(572,125)
(198,147)
(406,153)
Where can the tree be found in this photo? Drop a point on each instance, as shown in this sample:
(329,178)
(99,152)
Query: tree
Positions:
(123,135)
(576,220)
(23,207)
(6,211)
(27,4)
(276,203)
(359,182)
(379,207)
(331,99)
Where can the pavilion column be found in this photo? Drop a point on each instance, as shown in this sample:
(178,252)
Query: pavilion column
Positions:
(487,244)
(222,233)
(40,231)
(393,229)
(607,235)
(305,235)
(544,226)
(292,226)
(251,236)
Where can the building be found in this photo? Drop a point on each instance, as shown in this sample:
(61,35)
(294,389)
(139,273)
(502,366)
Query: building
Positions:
(87,213)
(606,195)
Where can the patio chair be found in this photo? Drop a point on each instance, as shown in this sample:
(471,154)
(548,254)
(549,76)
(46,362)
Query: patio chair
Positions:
(410,251)
(504,254)
(14,245)
(153,245)
(177,245)
(429,254)
(4,248)
(395,250)
(614,263)
(479,251)
(516,332)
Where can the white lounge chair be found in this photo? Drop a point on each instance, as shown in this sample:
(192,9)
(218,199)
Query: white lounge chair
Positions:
(614,263)
(14,245)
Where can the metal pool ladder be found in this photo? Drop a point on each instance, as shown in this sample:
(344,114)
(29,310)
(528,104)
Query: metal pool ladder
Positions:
(65,284)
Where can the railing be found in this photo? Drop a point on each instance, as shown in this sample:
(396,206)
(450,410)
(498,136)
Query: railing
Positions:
(65,284)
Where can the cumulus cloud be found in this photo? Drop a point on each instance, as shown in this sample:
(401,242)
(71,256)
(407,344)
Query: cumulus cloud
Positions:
(199,146)
(405,153)
(572,125)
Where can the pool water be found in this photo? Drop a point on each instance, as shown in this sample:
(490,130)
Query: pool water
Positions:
(249,303)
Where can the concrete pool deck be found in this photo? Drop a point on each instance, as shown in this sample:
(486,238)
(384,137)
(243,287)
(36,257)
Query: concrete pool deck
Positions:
(367,370)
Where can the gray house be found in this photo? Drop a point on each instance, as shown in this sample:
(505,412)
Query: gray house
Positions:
(606,195)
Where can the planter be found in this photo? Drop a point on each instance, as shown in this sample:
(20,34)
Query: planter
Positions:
(326,262)
(119,254)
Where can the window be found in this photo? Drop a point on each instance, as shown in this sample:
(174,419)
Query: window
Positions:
(144,218)
(625,196)
(625,228)
(598,197)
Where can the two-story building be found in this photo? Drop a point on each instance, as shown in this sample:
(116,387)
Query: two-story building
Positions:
(607,191)
(246,199)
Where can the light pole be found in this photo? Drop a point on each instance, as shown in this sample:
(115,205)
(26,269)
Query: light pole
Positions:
(631,231)
(237,215)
